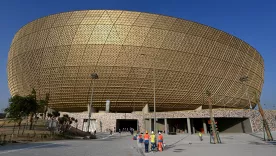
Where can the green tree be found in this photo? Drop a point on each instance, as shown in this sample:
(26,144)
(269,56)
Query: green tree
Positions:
(23,106)
(33,107)
(56,113)
(49,115)
(45,105)
(17,110)
(65,121)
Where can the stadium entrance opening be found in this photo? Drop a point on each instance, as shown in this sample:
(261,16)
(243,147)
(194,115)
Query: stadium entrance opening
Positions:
(197,125)
(177,126)
(233,125)
(223,125)
(126,124)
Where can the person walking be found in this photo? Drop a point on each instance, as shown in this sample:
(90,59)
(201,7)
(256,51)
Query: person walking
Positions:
(152,141)
(200,136)
(146,141)
(141,138)
(160,142)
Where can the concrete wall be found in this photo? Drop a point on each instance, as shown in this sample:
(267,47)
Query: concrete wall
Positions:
(109,119)
(234,125)
(160,125)
(148,125)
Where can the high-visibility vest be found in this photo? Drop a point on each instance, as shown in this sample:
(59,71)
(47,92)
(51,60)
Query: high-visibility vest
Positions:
(146,137)
(160,138)
(152,138)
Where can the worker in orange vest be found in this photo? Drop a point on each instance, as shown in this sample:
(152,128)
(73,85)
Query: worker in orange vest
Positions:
(146,141)
(160,142)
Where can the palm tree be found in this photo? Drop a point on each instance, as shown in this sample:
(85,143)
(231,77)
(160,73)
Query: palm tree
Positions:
(266,126)
(212,117)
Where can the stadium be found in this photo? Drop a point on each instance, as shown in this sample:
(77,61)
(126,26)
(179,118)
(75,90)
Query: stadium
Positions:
(139,58)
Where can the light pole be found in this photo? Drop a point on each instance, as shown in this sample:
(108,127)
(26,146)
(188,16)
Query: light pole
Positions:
(154,99)
(93,76)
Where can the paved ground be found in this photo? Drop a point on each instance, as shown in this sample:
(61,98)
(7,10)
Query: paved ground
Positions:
(233,144)
(113,146)
(261,135)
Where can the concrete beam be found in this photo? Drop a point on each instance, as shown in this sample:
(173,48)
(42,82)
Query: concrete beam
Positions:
(146,109)
(198,108)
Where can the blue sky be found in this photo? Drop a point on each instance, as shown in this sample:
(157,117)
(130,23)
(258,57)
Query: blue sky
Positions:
(253,21)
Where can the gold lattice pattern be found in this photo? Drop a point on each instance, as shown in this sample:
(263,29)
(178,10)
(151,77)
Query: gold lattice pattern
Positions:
(129,50)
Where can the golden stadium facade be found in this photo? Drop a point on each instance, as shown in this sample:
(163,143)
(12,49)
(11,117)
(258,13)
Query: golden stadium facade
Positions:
(129,50)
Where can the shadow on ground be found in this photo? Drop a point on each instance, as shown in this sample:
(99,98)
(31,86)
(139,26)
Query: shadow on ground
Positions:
(174,144)
(31,145)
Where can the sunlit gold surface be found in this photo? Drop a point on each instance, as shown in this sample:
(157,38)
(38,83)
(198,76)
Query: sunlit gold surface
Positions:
(56,54)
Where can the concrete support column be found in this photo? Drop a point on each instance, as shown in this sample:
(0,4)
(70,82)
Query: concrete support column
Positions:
(138,126)
(193,126)
(166,126)
(150,120)
(189,126)
(204,126)
(145,125)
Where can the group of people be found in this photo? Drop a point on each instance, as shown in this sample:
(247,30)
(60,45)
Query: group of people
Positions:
(151,139)
(131,130)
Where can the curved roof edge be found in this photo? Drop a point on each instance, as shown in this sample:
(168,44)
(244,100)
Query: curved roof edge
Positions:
(147,13)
